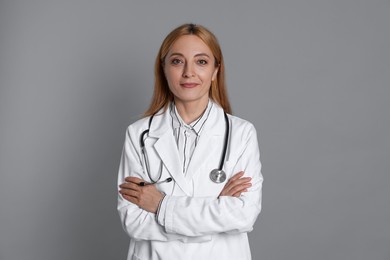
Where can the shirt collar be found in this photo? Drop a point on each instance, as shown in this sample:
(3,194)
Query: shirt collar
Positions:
(196,125)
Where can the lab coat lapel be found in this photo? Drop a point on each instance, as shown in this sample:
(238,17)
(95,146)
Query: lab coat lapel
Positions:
(166,149)
(210,142)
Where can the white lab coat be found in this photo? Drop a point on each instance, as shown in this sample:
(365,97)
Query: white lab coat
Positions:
(193,222)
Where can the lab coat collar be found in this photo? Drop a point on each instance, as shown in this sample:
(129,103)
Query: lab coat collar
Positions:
(197,125)
(162,124)
(166,147)
(209,142)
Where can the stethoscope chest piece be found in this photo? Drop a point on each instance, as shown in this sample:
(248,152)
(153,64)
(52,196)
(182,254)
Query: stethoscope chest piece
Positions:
(217,176)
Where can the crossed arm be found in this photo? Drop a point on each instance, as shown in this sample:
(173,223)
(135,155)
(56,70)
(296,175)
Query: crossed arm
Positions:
(182,218)
(148,197)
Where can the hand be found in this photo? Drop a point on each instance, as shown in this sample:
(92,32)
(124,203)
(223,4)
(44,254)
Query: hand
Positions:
(146,197)
(236,185)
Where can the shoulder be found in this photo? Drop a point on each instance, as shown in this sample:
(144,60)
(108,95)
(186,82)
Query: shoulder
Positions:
(236,122)
(244,128)
(139,126)
(243,136)
(135,129)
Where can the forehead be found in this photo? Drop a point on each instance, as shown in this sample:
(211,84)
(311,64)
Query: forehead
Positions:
(189,45)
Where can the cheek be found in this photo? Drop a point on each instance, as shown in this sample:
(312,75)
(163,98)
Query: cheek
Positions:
(207,76)
(172,76)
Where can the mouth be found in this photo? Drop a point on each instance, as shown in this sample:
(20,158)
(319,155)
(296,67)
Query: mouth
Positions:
(189,85)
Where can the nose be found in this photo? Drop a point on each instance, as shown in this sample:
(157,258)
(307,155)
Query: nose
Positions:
(188,71)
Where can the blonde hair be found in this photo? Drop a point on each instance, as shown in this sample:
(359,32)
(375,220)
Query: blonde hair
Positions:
(162,96)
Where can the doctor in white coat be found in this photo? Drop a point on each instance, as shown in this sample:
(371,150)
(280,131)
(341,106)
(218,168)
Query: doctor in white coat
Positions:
(170,203)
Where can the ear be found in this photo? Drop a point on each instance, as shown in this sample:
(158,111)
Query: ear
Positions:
(215,73)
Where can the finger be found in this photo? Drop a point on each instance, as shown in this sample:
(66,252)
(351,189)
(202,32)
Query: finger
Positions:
(236,189)
(130,185)
(239,188)
(127,185)
(238,182)
(233,179)
(242,181)
(235,193)
(131,193)
(237,176)
(238,194)
(133,179)
(131,199)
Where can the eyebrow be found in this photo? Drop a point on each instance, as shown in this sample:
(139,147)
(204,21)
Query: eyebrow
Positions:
(196,55)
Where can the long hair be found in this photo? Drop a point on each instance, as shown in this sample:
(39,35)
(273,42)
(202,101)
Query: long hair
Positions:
(162,96)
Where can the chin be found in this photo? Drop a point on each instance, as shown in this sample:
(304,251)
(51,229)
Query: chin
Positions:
(190,98)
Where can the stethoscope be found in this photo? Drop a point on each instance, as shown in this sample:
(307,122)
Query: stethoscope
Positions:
(217,175)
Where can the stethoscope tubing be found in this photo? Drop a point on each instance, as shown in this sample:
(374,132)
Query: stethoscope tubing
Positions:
(225,144)
(145,155)
(146,160)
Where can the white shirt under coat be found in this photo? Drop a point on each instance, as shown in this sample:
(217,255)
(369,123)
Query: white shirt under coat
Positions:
(187,135)
(194,223)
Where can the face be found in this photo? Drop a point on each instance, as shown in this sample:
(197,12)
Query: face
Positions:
(189,68)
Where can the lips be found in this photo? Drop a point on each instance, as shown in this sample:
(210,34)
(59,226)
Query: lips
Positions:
(189,85)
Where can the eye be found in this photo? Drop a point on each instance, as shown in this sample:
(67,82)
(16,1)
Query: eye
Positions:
(176,61)
(202,62)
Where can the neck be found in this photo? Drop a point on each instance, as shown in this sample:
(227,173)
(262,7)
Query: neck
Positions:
(192,110)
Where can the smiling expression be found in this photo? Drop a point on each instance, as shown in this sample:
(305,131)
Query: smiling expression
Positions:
(189,68)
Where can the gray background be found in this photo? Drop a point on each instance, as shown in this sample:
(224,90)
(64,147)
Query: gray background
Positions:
(313,76)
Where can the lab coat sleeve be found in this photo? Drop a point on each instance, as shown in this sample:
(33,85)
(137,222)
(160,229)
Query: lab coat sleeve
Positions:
(138,223)
(197,216)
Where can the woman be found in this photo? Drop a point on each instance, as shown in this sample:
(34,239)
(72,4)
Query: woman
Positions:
(174,201)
